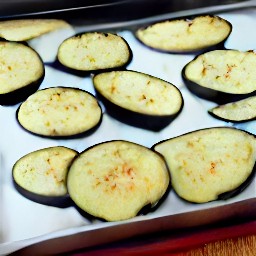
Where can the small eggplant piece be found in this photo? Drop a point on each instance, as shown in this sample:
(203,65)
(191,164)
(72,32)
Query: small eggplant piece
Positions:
(210,164)
(114,180)
(26,29)
(22,72)
(222,76)
(60,112)
(138,99)
(94,51)
(237,112)
(187,35)
(41,175)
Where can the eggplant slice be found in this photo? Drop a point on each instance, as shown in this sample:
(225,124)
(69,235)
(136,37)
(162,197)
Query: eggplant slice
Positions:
(41,175)
(94,51)
(210,164)
(22,72)
(60,112)
(239,111)
(26,29)
(138,99)
(222,76)
(186,35)
(114,180)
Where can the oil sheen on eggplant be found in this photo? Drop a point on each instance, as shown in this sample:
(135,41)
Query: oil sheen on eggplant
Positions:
(60,112)
(93,51)
(25,29)
(210,164)
(186,35)
(41,175)
(22,72)
(238,111)
(222,76)
(138,99)
(114,180)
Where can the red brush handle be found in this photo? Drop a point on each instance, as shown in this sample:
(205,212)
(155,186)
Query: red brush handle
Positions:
(172,243)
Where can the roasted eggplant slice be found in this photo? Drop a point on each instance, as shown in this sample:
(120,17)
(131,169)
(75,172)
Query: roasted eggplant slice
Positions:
(239,111)
(222,76)
(22,72)
(186,35)
(25,29)
(138,99)
(210,164)
(94,51)
(60,112)
(114,180)
(41,175)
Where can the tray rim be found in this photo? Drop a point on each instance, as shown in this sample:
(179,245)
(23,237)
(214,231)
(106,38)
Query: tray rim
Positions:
(39,242)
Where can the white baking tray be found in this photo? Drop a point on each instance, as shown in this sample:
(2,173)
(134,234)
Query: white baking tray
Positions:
(36,227)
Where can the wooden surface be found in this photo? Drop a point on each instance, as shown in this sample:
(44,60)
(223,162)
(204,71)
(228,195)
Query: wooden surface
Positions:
(230,240)
(241,246)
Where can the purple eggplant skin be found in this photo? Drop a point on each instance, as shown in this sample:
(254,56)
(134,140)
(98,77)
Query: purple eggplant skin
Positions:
(154,123)
(58,65)
(218,46)
(230,121)
(21,94)
(211,94)
(55,201)
(242,187)
(62,200)
(229,194)
(148,208)
(126,114)
(60,137)
(240,111)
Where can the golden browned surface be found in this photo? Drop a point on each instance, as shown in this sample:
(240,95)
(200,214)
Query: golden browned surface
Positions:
(209,162)
(139,92)
(184,35)
(20,66)
(228,71)
(93,51)
(114,180)
(59,112)
(44,171)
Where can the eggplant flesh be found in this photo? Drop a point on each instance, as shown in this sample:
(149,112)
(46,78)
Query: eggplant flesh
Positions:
(185,35)
(94,51)
(210,164)
(222,76)
(41,175)
(114,180)
(60,112)
(22,72)
(26,29)
(138,99)
(239,111)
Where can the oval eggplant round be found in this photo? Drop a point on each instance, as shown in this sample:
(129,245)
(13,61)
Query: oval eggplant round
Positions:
(114,180)
(41,175)
(60,112)
(138,99)
(94,51)
(186,35)
(210,164)
(22,72)
(222,76)
(25,29)
(236,112)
